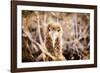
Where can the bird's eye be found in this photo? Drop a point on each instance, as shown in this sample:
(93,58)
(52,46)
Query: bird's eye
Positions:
(58,30)
(32,29)
(49,29)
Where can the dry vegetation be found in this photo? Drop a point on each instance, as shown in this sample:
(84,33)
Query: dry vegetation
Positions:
(75,36)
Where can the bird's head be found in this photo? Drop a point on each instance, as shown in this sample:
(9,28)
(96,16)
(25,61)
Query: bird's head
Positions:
(54,31)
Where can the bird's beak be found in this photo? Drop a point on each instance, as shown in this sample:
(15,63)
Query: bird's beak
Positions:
(53,37)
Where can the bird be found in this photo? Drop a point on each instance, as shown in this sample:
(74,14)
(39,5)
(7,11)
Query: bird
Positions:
(53,41)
